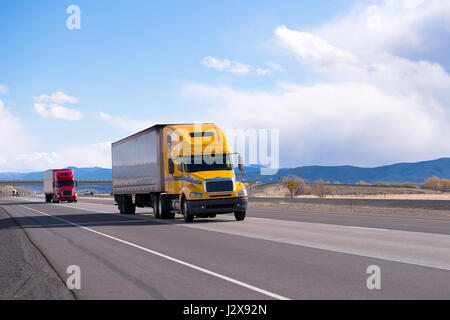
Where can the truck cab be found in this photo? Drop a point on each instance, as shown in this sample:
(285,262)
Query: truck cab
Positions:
(199,171)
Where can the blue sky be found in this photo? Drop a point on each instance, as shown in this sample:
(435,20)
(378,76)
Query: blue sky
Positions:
(136,63)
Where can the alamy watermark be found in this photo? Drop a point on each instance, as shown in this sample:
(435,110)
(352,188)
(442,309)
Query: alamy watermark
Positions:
(374,280)
(204,145)
(73,22)
(73,282)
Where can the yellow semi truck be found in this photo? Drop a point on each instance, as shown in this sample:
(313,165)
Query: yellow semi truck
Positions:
(177,168)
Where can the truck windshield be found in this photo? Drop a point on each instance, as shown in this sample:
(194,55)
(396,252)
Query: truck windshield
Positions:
(64,183)
(208,163)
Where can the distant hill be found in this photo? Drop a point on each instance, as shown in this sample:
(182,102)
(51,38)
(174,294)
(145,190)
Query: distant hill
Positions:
(400,172)
(94,173)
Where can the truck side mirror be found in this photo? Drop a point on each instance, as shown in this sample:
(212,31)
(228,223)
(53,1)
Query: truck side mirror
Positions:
(240,163)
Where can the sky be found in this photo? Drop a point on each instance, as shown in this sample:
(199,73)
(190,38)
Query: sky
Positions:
(362,83)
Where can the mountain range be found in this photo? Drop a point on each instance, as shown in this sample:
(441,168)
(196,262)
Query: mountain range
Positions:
(399,172)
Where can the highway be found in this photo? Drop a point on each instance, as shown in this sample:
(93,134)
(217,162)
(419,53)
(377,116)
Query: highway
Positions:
(273,254)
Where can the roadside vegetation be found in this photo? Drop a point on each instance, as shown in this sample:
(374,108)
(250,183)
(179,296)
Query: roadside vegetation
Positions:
(323,189)
(6,191)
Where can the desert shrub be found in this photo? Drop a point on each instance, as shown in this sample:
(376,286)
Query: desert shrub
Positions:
(319,189)
(409,184)
(300,184)
(363,183)
(445,183)
(433,182)
(382,184)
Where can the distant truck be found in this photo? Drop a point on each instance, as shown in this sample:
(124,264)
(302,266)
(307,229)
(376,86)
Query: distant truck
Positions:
(172,168)
(59,185)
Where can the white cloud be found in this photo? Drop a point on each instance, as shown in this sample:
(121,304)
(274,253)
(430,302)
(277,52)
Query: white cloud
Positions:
(261,71)
(275,66)
(127,124)
(226,65)
(57,97)
(313,49)
(52,107)
(98,154)
(382,94)
(410,28)
(3,89)
(13,136)
(330,124)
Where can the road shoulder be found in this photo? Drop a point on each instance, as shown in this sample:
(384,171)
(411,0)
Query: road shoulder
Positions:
(25,273)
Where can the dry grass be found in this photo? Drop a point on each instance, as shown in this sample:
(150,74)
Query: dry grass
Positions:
(278,190)
(444,212)
(353,194)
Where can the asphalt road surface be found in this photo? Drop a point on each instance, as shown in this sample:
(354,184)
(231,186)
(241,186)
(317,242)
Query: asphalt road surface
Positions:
(273,254)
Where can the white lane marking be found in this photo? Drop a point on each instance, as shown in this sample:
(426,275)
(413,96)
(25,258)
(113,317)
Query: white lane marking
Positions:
(366,228)
(192,266)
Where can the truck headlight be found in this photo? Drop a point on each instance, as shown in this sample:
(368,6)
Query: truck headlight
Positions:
(242,192)
(195,195)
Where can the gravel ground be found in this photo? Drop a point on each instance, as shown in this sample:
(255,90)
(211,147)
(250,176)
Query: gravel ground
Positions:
(401,207)
(24,272)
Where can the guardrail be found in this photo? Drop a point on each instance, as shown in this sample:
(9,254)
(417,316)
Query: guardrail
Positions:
(41,182)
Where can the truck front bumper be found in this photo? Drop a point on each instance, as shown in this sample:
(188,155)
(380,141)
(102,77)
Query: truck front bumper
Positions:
(73,198)
(209,206)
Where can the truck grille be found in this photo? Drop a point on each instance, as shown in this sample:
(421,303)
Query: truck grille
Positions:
(219,186)
(67,193)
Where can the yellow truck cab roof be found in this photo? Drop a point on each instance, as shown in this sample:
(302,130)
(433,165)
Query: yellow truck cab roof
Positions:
(196,139)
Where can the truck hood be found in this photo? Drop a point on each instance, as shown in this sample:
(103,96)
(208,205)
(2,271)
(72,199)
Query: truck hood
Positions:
(203,175)
(66,188)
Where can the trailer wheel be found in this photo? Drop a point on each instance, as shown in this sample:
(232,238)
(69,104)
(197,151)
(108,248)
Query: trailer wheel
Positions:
(48,198)
(128,206)
(188,217)
(239,215)
(120,204)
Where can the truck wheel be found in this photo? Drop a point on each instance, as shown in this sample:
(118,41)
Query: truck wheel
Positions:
(188,217)
(239,215)
(155,205)
(212,215)
(164,207)
(47,198)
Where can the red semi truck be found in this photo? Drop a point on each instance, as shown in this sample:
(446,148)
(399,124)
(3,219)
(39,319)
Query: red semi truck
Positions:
(59,185)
